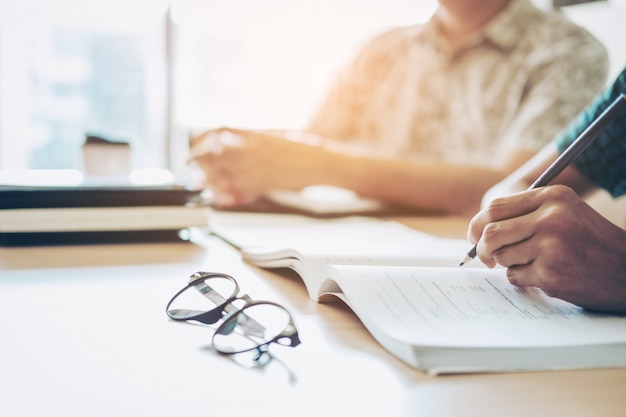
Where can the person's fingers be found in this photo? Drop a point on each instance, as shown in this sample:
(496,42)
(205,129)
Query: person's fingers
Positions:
(500,239)
(214,142)
(223,200)
(230,137)
(522,275)
(523,252)
(197,139)
(504,208)
(203,150)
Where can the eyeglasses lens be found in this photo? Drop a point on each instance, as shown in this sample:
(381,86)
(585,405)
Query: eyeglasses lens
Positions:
(254,325)
(203,295)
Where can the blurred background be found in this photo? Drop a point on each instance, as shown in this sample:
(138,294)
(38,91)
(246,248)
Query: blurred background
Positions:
(149,71)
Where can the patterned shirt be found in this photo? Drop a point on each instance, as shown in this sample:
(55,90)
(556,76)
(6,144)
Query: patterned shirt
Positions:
(604,161)
(512,86)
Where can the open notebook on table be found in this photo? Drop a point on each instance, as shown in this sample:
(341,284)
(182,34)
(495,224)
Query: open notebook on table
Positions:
(409,292)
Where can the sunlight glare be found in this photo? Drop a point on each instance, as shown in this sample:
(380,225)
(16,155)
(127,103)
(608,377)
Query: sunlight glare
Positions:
(272,60)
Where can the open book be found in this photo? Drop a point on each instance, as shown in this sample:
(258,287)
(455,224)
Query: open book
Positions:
(410,293)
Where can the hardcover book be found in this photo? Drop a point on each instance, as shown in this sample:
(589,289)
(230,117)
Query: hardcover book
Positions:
(44,215)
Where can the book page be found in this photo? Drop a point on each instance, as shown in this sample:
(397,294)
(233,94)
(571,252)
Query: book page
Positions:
(348,240)
(306,245)
(467,307)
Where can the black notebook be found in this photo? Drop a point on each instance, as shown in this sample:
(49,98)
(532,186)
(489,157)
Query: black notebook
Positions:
(48,215)
(27,196)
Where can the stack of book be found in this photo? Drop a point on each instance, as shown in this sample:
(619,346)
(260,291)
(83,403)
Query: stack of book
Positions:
(44,215)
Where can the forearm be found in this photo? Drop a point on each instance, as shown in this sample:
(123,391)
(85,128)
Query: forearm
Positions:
(522,178)
(426,185)
(242,165)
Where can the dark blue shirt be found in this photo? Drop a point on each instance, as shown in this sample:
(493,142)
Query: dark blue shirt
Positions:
(604,161)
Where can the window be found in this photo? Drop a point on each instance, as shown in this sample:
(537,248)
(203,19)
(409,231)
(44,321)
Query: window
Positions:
(73,67)
(264,64)
(149,71)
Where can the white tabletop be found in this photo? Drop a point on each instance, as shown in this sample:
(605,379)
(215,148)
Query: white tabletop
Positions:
(84,333)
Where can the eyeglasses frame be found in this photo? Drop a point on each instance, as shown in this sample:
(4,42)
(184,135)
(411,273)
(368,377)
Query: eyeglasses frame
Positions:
(288,337)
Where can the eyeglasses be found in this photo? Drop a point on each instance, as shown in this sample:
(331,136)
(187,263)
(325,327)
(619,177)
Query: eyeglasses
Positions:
(247,325)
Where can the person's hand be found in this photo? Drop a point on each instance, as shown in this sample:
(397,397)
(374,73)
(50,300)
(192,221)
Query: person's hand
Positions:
(239,166)
(551,239)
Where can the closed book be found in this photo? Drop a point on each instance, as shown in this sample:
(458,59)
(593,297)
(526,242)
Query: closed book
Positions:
(32,196)
(44,215)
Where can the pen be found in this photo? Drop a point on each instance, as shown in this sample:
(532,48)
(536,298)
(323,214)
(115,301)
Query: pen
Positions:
(573,150)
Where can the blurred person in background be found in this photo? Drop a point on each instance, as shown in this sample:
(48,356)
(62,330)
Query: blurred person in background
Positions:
(426,116)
